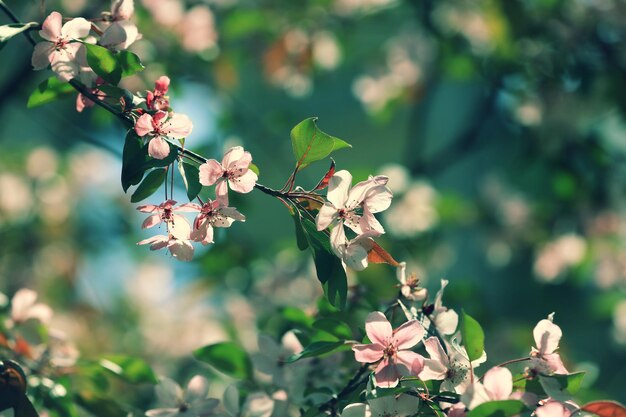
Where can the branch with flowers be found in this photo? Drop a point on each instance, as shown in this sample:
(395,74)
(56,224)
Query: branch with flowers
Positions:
(421,361)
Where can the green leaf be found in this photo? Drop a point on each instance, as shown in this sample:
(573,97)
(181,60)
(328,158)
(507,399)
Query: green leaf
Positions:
(48,91)
(504,408)
(149,185)
(561,387)
(130,63)
(9,31)
(252,167)
(335,327)
(98,405)
(316,349)
(192,183)
(133,158)
(129,369)
(301,239)
(226,357)
(310,144)
(473,337)
(104,63)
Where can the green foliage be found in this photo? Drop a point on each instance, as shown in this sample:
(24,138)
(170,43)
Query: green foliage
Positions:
(129,369)
(48,91)
(301,238)
(473,337)
(561,387)
(98,405)
(13,29)
(191,179)
(104,63)
(503,408)
(133,158)
(226,357)
(149,185)
(310,144)
(334,327)
(130,63)
(316,349)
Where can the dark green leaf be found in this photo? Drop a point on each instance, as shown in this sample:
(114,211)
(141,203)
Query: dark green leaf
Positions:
(301,239)
(48,91)
(473,337)
(25,408)
(133,158)
(227,357)
(99,406)
(504,408)
(160,163)
(385,392)
(192,180)
(130,63)
(104,63)
(316,349)
(9,31)
(561,387)
(335,327)
(149,185)
(129,369)
(310,144)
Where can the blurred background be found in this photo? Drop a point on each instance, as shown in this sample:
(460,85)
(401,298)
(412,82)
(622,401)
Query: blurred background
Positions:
(500,124)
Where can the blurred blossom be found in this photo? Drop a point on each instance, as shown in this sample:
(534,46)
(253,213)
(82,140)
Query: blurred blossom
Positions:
(296,41)
(326,51)
(348,7)
(510,207)
(15,196)
(619,323)
(198,29)
(528,113)
(54,199)
(399,177)
(55,260)
(165,12)
(499,254)
(74,7)
(414,212)
(93,168)
(555,257)
(471,23)
(42,163)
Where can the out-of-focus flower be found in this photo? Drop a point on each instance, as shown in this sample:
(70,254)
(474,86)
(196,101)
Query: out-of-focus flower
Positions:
(553,408)
(165,12)
(24,307)
(161,126)
(193,402)
(212,214)
(233,172)
(120,35)
(257,404)
(497,385)
(410,287)
(544,358)
(414,212)
(198,29)
(59,48)
(387,406)
(391,347)
(122,9)
(326,52)
(556,256)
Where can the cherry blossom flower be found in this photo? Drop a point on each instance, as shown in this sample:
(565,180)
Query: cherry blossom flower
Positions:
(161,126)
(233,172)
(58,48)
(544,358)
(410,287)
(553,408)
(192,402)
(345,203)
(392,346)
(352,252)
(158,99)
(497,385)
(167,212)
(122,9)
(385,406)
(212,214)
(453,369)
(24,307)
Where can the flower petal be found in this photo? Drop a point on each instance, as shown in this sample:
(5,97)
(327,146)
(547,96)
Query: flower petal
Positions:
(178,126)
(435,350)
(158,148)
(143,125)
(378,328)
(338,188)
(547,336)
(210,172)
(368,353)
(51,27)
(41,55)
(409,334)
(233,155)
(386,374)
(409,363)
(244,183)
(498,382)
(197,389)
(76,28)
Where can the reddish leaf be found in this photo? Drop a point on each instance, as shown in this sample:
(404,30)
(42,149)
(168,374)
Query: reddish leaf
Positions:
(378,255)
(605,408)
(324,181)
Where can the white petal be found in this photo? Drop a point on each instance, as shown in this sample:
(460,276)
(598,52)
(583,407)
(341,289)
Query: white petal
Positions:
(338,188)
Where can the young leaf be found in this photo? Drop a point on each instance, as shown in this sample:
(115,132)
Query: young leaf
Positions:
(605,408)
(561,387)
(149,185)
(48,91)
(378,255)
(226,357)
(128,368)
(9,31)
(473,337)
(133,158)
(326,179)
(316,349)
(503,408)
(310,144)
(104,63)
(129,62)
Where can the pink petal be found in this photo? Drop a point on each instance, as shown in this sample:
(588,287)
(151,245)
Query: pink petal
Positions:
(122,9)
(409,363)
(233,155)
(555,363)
(21,303)
(51,27)
(446,322)
(368,353)
(63,65)
(435,350)
(498,382)
(338,240)
(325,216)
(155,242)
(378,328)
(409,334)
(386,374)
(210,172)
(151,221)
(158,148)
(181,249)
(143,125)
(76,28)
(203,234)
(243,184)
(378,198)
(239,165)
(547,336)
(162,84)
(338,188)
(41,55)
(552,409)
(433,369)
(147,208)
(221,192)
(178,126)
(231,213)
(179,227)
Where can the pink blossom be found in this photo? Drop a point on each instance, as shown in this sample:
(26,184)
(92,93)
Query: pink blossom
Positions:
(354,206)
(453,369)
(122,9)
(24,307)
(212,214)
(497,385)
(181,249)
(161,126)
(352,252)
(392,346)
(544,357)
(409,286)
(553,409)
(157,99)
(58,48)
(233,172)
(120,35)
